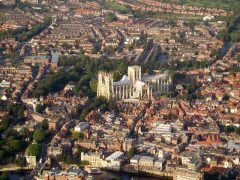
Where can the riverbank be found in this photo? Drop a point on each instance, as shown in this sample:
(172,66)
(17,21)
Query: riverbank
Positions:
(154,174)
(109,175)
(13,167)
(106,175)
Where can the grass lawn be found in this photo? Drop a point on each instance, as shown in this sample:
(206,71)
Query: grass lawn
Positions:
(171,16)
(158,15)
(225,4)
(117,7)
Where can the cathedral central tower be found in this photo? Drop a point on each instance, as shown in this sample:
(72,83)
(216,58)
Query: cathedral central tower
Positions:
(134,73)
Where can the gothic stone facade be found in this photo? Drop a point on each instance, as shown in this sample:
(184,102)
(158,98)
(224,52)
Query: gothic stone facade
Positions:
(132,86)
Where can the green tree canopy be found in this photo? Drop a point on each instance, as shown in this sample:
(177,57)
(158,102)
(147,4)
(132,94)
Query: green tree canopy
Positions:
(111,17)
(131,152)
(40,108)
(4,176)
(34,150)
(21,161)
(229,129)
(44,124)
(39,135)
(76,135)
(14,144)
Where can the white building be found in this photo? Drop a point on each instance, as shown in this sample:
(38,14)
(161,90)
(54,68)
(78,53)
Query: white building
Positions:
(5,84)
(31,160)
(208,18)
(95,159)
(161,128)
(81,126)
(135,160)
(146,162)
(114,161)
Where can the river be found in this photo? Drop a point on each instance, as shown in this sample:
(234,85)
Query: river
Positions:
(106,175)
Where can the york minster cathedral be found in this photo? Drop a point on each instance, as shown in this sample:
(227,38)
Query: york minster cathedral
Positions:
(133,86)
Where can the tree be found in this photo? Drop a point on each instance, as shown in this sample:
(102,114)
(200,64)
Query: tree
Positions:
(56,81)
(223,36)
(235,36)
(93,86)
(176,76)
(84,113)
(66,46)
(44,124)
(76,135)
(238,60)
(4,124)
(2,156)
(111,17)
(4,176)
(122,67)
(16,110)
(40,108)
(21,161)
(39,135)
(68,159)
(14,144)
(231,33)
(25,133)
(116,75)
(229,129)
(34,150)
(214,53)
(10,132)
(112,105)
(82,164)
(94,50)
(237,130)
(131,152)
(110,49)
(100,102)
(226,97)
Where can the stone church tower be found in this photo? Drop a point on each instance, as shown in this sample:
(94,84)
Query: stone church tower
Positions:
(134,73)
(105,85)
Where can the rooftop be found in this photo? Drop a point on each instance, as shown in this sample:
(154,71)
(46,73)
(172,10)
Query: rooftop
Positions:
(115,155)
(124,80)
(146,158)
(153,77)
(136,157)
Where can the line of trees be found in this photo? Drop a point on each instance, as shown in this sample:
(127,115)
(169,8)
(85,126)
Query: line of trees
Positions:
(231,33)
(39,136)
(56,81)
(231,128)
(100,103)
(12,141)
